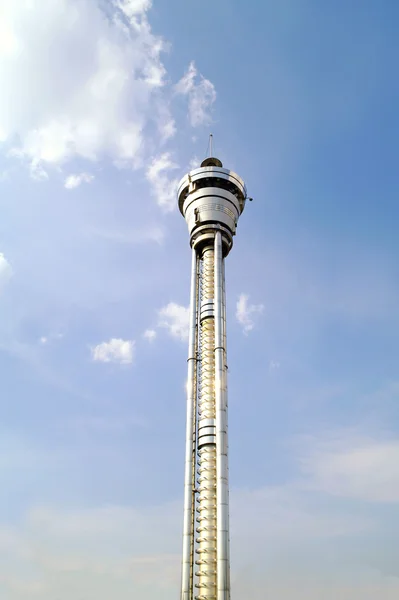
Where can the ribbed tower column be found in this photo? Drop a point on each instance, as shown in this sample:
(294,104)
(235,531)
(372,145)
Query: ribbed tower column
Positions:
(207,508)
(211,199)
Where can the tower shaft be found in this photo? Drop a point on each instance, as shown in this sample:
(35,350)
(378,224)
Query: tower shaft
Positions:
(211,199)
(206,444)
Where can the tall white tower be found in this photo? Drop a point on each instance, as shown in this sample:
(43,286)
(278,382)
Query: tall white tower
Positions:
(211,199)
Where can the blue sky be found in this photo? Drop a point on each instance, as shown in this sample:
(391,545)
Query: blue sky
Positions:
(103,107)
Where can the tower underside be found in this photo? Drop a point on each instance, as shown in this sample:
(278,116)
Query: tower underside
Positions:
(211,199)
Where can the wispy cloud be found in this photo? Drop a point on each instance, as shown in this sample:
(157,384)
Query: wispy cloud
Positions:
(75,180)
(5,271)
(133,8)
(115,351)
(174,318)
(163,186)
(201,95)
(37,171)
(166,123)
(69,547)
(45,339)
(353,465)
(65,546)
(98,90)
(246,312)
(150,335)
(194,163)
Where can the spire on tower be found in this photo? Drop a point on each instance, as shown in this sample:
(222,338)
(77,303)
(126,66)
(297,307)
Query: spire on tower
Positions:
(211,161)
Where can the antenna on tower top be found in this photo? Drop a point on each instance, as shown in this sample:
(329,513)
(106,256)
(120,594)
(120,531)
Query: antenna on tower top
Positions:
(211,161)
(209,148)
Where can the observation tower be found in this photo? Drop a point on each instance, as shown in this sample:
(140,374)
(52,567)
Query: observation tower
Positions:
(211,199)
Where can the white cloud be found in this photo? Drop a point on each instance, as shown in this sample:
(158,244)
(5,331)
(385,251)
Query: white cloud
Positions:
(175,318)
(45,339)
(132,8)
(150,335)
(103,550)
(201,95)
(5,271)
(165,122)
(123,547)
(304,587)
(116,351)
(284,513)
(77,82)
(354,467)
(246,312)
(167,128)
(37,172)
(55,553)
(73,181)
(163,187)
(194,163)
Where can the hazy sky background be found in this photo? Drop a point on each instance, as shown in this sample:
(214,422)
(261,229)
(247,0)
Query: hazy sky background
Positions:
(104,105)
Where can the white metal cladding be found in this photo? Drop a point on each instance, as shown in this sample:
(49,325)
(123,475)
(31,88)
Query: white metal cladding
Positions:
(221,176)
(211,205)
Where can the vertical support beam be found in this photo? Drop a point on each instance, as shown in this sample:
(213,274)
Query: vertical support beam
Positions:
(189,473)
(226,404)
(195,425)
(222,485)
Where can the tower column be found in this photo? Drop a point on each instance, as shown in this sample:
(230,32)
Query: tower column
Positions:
(222,483)
(207,473)
(189,474)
